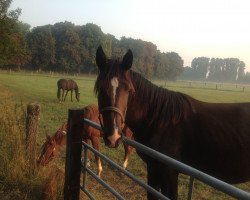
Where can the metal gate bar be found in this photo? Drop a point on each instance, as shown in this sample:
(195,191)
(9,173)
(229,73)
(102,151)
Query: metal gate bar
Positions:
(209,180)
(128,174)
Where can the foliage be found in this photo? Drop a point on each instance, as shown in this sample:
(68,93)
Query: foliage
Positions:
(168,65)
(42,46)
(12,37)
(66,47)
(67,42)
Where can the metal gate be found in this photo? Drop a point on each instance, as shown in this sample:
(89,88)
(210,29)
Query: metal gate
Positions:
(74,166)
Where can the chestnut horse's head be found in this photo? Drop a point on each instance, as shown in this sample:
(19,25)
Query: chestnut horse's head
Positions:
(48,151)
(113,87)
(52,145)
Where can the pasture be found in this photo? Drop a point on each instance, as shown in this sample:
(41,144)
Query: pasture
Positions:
(19,89)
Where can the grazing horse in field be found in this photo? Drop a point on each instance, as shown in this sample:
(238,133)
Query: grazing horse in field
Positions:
(67,85)
(53,144)
(212,137)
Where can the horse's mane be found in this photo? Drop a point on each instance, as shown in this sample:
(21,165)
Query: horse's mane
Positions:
(59,136)
(164,106)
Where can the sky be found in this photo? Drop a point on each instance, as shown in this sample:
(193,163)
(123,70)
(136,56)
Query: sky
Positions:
(191,28)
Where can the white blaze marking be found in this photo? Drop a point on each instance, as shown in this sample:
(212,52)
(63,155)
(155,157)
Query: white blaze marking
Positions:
(114,83)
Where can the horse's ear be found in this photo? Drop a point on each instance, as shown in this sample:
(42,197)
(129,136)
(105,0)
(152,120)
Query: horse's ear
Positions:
(65,126)
(127,60)
(100,58)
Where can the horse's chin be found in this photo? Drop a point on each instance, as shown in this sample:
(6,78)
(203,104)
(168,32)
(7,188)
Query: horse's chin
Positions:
(112,145)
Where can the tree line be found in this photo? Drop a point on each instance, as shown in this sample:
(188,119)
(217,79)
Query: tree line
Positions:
(216,69)
(66,47)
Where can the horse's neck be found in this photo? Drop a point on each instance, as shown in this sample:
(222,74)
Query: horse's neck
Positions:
(144,90)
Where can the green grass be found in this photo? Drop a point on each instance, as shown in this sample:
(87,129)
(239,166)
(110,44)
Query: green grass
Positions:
(19,89)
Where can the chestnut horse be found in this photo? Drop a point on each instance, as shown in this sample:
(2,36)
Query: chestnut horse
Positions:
(212,137)
(53,144)
(67,85)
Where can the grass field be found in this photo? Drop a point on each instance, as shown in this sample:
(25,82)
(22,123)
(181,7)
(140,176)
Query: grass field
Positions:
(19,89)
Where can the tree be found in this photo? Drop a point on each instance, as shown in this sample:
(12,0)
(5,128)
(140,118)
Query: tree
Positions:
(241,71)
(42,46)
(175,65)
(91,37)
(168,65)
(200,67)
(68,48)
(13,47)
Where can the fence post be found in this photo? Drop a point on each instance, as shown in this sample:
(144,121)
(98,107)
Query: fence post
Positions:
(33,110)
(73,155)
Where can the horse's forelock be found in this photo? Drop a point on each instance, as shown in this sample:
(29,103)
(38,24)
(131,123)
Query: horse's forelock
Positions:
(112,69)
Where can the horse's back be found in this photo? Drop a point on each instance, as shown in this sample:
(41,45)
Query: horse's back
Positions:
(61,82)
(217,140)
(67,84)
(72,83)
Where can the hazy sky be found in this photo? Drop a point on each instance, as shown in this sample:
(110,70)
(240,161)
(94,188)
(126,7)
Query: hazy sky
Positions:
(192,28)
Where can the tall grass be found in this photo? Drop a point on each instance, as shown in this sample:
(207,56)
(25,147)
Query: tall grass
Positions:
(12,119)
(12,145)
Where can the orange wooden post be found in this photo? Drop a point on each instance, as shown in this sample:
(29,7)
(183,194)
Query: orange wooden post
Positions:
(33,110)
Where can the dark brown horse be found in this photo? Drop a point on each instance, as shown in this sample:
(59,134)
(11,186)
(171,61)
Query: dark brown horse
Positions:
(212,137)
(52,144)
(67,85)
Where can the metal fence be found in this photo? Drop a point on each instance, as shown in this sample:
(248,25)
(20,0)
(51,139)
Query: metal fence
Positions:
(74,166)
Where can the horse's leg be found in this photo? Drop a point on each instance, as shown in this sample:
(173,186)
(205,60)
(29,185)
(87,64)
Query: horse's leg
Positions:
(63,92)
(59,94)
(127,151)
(96,145)
(153,178)
(89,159)
(66,94)
(71,95)
(169,182)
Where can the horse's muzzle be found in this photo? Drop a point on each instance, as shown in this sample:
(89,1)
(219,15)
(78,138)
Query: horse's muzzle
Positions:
(113,140)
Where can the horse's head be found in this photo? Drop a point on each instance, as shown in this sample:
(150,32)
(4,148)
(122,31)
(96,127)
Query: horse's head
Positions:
(48,151)
(52,144)
(113,87)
